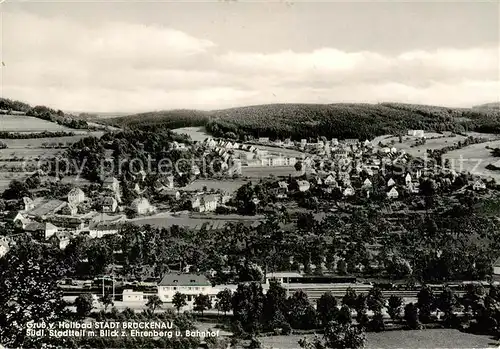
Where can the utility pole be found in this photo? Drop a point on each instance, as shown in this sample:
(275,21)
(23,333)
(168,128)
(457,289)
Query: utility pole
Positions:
(103,286)
(113,287)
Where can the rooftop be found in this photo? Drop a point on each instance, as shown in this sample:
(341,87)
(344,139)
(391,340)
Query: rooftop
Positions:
(174,279)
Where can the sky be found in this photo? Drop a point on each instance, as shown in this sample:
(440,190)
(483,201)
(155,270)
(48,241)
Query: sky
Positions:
(132,57)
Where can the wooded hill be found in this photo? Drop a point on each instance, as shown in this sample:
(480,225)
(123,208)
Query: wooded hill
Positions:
(312,120)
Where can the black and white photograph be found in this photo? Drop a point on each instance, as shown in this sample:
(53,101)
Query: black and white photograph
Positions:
(236,174)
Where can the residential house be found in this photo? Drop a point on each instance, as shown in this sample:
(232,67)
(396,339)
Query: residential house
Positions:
(330,180)
(172,193)
(100,229)
(20,220)
(263,139)
(189,284)
(414,187)
(41,231)
(303,143)
(29,204)
(393,194)
(303,185)
(408,179)
(479,185)
(4,245)
(109,204)
(367,183)
(210,143)
(496,267)
(61,239)
(138,190)
(195,170)
(69,210)
(282,190)
(133,296)
(334,142)
(76,196)
(205,203)
(349,191)
(391,182)
(141,206)
(111,183)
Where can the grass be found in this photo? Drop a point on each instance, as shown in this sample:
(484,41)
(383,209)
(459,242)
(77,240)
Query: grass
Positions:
(196,133)
(474,159)
(431,338)
(266,171)
(229,186)
(23,123)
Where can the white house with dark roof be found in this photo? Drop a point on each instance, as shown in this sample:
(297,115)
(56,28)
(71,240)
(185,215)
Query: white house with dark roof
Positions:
(189,284)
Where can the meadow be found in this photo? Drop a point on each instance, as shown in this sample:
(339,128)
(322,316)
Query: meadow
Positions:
(430,338)
(266,171)
(474,159)
(23,123)
(197,134)
(229,186)
(434,141)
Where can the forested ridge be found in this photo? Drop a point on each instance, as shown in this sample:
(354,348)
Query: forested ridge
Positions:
(312,120)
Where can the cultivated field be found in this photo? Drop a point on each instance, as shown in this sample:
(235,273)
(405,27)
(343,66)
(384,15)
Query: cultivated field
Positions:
(27,152)
(434,141)
(23,123)
(431,339)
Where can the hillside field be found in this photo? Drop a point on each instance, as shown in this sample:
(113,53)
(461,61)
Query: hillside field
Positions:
(23,123)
